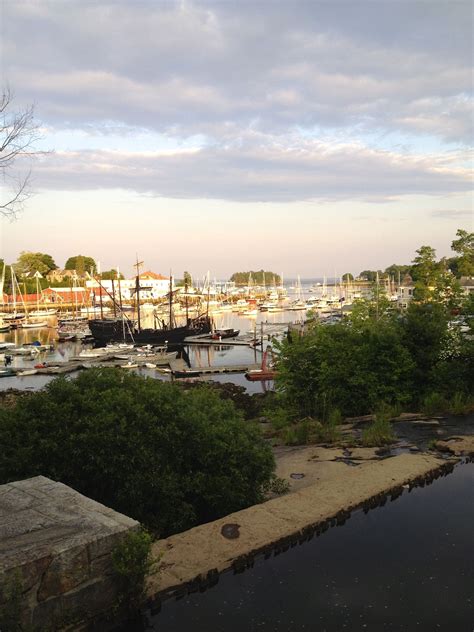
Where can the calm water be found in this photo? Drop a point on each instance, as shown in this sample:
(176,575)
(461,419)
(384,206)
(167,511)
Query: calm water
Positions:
(406,566)
(200,356)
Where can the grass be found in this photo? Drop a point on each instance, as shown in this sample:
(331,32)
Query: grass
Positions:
(461,404)
(380,431)
(433,403)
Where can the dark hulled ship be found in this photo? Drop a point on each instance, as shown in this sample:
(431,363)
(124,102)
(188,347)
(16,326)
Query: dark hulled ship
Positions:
(115,329)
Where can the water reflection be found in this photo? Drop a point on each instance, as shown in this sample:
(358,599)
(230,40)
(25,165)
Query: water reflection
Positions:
(405,566)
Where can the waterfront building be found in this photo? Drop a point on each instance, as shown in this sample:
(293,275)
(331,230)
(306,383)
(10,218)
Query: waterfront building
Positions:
(152,286)
(405,291)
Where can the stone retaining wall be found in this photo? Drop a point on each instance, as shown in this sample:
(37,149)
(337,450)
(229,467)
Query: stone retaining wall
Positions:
(55,545)
(193,560)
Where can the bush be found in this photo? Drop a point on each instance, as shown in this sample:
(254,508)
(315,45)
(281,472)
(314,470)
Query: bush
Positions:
(433,403)
(348,366)
(168,458)
(379,432)
(296,434)
(461,404)
(329,431)
(277,486)
(132,565)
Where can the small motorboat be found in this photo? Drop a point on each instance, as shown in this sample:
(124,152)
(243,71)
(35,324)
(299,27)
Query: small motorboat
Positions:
(186,373)
(257,375)
(264,373)
(7,373)
(129,365)
(33,324)
(221,334)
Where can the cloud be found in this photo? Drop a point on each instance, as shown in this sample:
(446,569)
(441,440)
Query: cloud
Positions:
(188,68)
(453,214)
(254,170)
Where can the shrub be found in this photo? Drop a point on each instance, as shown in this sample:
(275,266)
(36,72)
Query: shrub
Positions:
(379,432)
(133,564)
(277,486)
(461,404)
(329,431)
(168,458)
(433,403)
(348,366)
(296,434)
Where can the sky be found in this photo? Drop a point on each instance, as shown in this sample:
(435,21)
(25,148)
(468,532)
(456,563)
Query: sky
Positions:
(301,137)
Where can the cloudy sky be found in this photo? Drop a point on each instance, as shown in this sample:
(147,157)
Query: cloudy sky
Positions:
(303,137)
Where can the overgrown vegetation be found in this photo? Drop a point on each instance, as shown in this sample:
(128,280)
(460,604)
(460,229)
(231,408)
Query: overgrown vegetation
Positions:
(379,431)
(417,358)
(166,457)
(133,563)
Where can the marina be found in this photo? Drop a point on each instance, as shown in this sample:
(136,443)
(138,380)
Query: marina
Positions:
(232,348)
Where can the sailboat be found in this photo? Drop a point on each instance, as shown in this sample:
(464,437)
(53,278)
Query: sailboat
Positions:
(299,304)
(122,328)
(40,312)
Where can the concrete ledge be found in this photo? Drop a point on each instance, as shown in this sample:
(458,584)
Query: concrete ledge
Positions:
(193,559)
(58,544)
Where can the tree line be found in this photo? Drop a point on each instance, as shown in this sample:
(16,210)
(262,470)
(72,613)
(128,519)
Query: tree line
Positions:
(461,264)
(380,355)
(259,277)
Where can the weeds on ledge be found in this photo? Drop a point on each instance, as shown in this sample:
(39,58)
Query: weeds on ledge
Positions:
(380,431)
(133,564)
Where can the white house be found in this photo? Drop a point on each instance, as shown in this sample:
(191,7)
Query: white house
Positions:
(152,286)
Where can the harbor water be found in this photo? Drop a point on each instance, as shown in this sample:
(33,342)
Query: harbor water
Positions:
(406,566)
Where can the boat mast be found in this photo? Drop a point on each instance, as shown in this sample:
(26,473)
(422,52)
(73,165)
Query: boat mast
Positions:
(120,302)
(137,291)
(171,300)
(13,291)
(186,297)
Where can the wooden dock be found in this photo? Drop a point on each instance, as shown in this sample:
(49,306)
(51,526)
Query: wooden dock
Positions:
(180,365)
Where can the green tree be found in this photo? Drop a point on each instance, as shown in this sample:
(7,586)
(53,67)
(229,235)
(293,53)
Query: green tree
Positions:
(395,270)
(81,264)
(186,280)
(370,275)
(30,262)
(168,458)
(349,367)
(464,246)
(258,277)
(111,274)
(425,327)
(425,273)
(347,276)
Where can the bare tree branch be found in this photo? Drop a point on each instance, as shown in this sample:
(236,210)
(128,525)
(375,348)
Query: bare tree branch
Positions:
(19,133)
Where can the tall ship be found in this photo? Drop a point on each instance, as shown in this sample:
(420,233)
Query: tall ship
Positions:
(122,328)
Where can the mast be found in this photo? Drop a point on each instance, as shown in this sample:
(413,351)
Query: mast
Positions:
(137,291)
(186,298)
(13,291)
(74,286)
(171,300)
(37,276)
(120,302)
(113,294)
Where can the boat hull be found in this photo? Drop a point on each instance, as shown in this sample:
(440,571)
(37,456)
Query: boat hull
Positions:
(108,330)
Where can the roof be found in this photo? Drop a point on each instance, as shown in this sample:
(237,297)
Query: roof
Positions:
(152,275)
(466,281)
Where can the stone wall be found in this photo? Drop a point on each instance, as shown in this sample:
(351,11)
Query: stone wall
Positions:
(56,544)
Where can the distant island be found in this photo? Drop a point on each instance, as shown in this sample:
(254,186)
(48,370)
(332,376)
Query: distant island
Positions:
(259,277)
